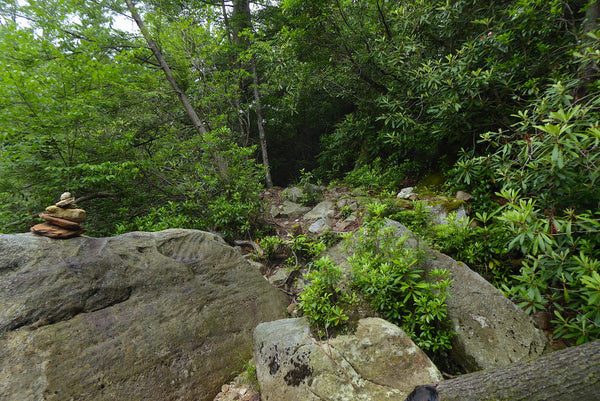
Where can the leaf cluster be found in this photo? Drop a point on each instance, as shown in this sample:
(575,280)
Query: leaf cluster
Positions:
(387,275)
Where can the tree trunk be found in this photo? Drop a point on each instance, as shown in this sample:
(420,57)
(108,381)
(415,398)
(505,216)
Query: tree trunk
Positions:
(189,109)
(261,130)
(569,374)
(589,71)
(241,20)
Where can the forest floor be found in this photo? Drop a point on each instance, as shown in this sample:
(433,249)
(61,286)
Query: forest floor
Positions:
(241,388)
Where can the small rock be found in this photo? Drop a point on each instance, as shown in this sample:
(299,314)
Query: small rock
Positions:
(439,214)
(345,202)
(66,201)
(343,225)
(463,196)
(293,194)
(322,224)
(296,229)
(341,203)
(290,210)
(279,278)
(406,193)
(313,189)
(322,209)
(274,211)
(67,204)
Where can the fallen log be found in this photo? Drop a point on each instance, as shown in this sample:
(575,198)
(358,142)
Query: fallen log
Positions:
(569,374)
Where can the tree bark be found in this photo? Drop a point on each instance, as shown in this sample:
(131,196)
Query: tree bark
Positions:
(589,71)
(569,374)
(261,129)
(189,109)
(242,19)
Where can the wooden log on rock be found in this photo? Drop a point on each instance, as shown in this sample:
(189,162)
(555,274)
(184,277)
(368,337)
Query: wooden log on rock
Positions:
(569,374)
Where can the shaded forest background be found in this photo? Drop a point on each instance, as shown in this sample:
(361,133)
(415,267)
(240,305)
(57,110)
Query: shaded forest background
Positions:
(501,97)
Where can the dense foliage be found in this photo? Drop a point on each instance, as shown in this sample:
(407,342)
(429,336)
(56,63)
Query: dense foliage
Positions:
(387,275)
(500,96)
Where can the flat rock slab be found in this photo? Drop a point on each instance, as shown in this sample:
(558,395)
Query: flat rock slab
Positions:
(71,225)
(323,209)
(77,215)
(142,316)
(377,362)
(53,231)
(289,210)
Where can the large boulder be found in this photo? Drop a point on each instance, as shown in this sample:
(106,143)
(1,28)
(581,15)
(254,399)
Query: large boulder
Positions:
(491,331)
(141,316)
(377,362)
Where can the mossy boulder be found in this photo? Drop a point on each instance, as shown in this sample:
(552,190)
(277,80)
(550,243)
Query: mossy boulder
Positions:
(378,362)
(141,316)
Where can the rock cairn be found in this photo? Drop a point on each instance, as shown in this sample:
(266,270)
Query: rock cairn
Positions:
(62,219)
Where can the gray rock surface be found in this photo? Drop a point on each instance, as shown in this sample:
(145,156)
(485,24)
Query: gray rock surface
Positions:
(345,202)
(378,362)
(279,278)
(323,209)
(344,224)
(141,316)
(406,193)
(491,331)
(439,214)
(322,224)
(290,210)
(293,194)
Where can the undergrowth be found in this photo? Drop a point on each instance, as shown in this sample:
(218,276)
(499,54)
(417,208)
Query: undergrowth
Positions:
(386,274)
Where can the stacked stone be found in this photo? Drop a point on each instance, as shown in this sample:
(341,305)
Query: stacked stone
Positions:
(62,219)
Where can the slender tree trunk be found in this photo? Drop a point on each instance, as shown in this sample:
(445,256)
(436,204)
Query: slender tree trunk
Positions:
(569,374)
(261,130)
(589,71)
(189,109)
(241,19)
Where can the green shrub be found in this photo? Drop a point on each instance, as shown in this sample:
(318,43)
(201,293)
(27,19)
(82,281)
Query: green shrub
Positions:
(215,183)
(379,175)
(311,194)
(304,248)
(417,219)
(387,274)
(161,218)
(271,246)
(561,266)
(299,250)
(546,172)
(345,212)
(323,301)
